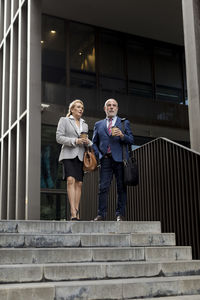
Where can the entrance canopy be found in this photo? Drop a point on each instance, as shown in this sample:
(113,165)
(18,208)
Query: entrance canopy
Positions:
(155,19)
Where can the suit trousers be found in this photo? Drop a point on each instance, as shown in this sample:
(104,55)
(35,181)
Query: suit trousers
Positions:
(108,167)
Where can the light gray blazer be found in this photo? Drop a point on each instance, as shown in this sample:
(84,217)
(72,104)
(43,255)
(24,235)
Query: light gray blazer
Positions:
(66,135)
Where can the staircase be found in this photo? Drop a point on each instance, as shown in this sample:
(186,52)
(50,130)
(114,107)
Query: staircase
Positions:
(94,260)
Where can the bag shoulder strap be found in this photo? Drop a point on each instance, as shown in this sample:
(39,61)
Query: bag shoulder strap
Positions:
(130,152)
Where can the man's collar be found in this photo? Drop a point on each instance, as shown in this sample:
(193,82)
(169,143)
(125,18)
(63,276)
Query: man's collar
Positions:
(113,118)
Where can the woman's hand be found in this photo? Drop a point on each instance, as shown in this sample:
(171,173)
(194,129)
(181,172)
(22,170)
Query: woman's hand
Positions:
(87,141)
(82,141)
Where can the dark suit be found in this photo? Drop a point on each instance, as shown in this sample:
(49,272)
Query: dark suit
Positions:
(113,164)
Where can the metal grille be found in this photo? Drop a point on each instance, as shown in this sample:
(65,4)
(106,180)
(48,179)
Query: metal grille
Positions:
(169,191)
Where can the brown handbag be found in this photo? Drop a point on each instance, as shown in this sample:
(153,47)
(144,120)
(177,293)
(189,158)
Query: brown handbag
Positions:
(89,160)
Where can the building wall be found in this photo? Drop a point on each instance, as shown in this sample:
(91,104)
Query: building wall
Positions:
(191,18)
(147,77)
(20,98)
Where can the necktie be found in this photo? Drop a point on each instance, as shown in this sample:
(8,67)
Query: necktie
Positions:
(109,131)
(110,126)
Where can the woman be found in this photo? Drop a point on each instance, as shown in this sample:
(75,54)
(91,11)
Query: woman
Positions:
(71,155)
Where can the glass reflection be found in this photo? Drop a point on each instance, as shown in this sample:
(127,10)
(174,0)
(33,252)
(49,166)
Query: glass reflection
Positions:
(53,207)
(82,57)
(82,48)
(168,75)
(51,170)
(139,70)
(53,44)
(112,70)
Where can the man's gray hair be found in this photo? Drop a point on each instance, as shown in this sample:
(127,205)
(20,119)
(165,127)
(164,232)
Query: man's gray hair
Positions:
(109,100)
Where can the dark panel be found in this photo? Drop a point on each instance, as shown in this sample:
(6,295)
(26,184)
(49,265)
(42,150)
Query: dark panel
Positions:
(168,191)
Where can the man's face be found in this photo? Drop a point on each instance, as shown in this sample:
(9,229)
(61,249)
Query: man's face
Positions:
(111,108)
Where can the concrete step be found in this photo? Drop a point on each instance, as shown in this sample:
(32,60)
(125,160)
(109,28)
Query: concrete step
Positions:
(188,297)
(30,291)
(103,289)
(86,240)
(64,255)
(78,227)
(91,271)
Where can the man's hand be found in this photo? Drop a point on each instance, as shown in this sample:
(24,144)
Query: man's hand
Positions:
(117,132)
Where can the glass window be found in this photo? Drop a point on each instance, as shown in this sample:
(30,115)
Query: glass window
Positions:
(54,207)
(185,81)
(53,45)
(112,70)
(139,63)
(82,47)
(139,70)
(168,75)
(140,140)
(82,56)
(51,169)
(111,55)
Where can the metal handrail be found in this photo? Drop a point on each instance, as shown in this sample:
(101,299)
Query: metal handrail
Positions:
(168,191)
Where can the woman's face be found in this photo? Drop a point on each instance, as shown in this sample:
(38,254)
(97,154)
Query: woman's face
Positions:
(77,110)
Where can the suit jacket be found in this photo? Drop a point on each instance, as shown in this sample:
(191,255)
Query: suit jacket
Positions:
(66,135)
(101,139)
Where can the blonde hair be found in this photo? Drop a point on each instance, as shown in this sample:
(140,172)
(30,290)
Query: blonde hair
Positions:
(71,106)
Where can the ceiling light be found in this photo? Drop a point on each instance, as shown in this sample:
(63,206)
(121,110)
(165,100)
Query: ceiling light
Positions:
(53,31)
(44,106)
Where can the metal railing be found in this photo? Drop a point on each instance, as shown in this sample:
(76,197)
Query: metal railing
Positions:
(169,191)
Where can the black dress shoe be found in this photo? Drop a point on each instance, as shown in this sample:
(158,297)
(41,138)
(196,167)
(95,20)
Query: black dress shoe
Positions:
(99,218)
(119,218)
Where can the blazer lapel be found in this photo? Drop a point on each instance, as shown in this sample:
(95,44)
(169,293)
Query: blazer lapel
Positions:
(72,122)
(85,128)
(105,126)
(118,123)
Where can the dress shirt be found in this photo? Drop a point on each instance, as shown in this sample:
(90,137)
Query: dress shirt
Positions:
(114,119)
(81,124)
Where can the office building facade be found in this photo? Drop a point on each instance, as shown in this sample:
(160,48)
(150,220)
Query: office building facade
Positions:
(54,52)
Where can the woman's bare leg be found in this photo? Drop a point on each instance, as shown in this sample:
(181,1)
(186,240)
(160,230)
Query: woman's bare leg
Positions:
(78,188)
(71,192)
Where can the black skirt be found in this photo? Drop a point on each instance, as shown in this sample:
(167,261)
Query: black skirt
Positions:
(74,168)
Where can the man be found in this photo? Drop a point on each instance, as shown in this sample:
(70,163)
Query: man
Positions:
(107,144)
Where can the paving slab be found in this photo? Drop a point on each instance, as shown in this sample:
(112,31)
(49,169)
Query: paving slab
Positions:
(59,255)
(188,297)
(152,239)
(106,289)
(27,292)
(172,253)
(78,227)
(96,270)
(21,273)
(128,288)
(85,240)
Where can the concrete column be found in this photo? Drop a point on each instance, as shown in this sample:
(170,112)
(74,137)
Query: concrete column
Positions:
(191,23)
(33,129)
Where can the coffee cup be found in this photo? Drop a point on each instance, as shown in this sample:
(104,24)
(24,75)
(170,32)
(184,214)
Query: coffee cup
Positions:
(113,128)
(84,135)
